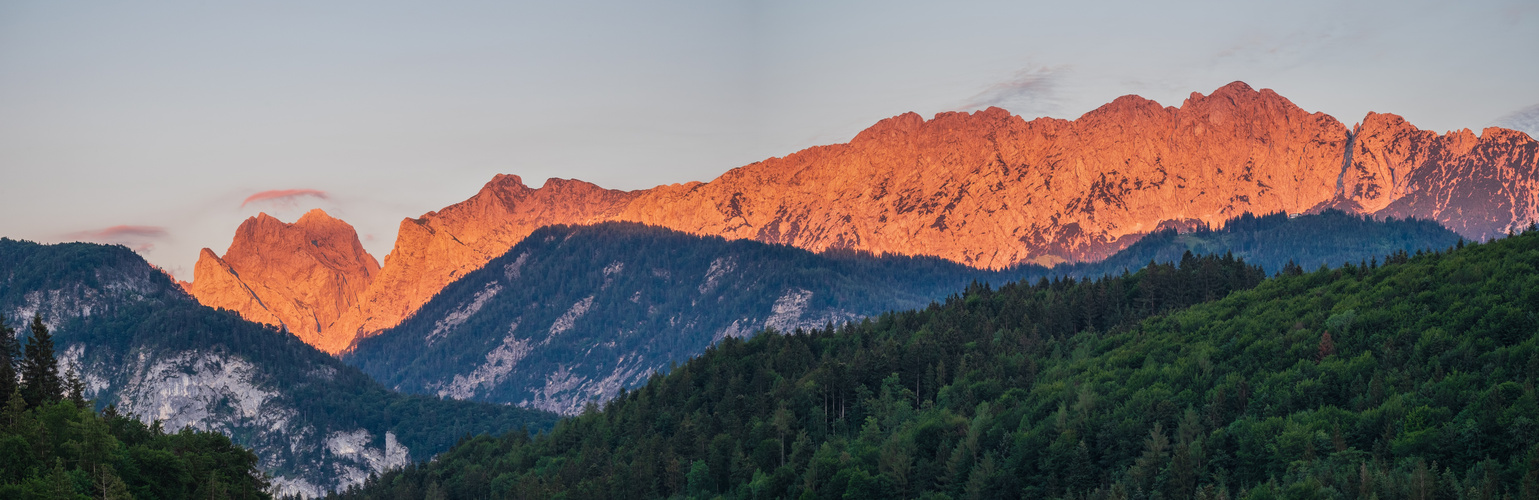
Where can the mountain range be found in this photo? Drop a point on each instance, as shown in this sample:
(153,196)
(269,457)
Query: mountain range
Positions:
(987,189)
(578,314)
(1412,377)
(142,344)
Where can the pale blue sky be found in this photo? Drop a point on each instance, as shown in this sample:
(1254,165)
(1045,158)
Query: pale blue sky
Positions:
(167,115)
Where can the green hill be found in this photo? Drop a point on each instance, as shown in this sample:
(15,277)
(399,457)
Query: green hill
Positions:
(1411,379)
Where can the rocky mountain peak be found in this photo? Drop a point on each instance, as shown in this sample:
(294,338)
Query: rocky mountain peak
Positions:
(991,190)
(301,276)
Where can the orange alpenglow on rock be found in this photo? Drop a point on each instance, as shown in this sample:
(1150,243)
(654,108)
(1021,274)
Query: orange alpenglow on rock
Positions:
(987,189)
(299,276)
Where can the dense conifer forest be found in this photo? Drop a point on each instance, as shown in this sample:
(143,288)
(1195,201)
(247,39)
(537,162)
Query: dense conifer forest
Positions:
(55,445)
(1328,238)
(1408,378)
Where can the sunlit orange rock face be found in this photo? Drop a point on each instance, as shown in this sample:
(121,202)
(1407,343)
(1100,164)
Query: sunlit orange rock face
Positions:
(300,276)
(433,250)
(989,189)
(1479,186)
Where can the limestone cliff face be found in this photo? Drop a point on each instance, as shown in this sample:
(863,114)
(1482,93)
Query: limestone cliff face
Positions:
(301,276)
(1480,186)
(434,250)
(990,190)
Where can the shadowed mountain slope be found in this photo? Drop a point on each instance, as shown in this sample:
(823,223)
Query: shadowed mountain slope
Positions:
(140,342)
(579,313)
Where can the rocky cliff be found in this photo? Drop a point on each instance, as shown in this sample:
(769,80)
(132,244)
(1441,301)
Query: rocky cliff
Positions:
(300,276)
(139,342)
(991,190)
(1481,186)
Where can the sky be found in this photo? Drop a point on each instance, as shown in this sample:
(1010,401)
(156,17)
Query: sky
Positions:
(162,125)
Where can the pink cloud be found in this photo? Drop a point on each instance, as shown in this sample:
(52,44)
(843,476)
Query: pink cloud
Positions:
(135,237)
(283,195)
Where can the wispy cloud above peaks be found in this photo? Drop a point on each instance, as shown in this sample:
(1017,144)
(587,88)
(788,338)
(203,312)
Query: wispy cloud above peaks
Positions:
(1032,92)
(285,196)
(139,238)
(1525,120)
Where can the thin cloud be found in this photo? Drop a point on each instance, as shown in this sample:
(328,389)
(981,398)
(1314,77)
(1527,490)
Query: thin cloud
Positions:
(139,238)
(1525,120)
(283,195)
(1033,91)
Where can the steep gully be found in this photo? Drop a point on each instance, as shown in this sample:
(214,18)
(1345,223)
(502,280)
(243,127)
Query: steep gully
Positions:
(985,189)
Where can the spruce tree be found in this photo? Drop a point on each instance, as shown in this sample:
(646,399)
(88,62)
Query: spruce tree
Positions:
(76,389)
(39,369)
(9,352)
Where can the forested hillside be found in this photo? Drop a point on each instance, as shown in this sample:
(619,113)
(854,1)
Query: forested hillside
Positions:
(576,313)
(1329,238)
(139,342)
(53,444)
(1413,378)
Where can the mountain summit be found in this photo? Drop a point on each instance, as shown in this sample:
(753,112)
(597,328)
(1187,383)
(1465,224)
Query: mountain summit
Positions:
(300,276)
(989,189)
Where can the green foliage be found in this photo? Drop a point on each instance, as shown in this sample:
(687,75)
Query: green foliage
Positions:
(54,447)
(1110,388)
(10,355)
(1329,238)
(61,450)
(39,368)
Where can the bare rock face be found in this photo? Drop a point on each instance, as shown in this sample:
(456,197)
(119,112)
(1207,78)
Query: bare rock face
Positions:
(990,190)
(1479,186)
(433,250)
(301,276)
(986,189)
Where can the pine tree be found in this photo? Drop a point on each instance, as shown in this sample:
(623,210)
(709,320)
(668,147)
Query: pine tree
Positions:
(1530,483)
(76,389)
(39,369)
(10,414)
(9,352)
(58,482)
